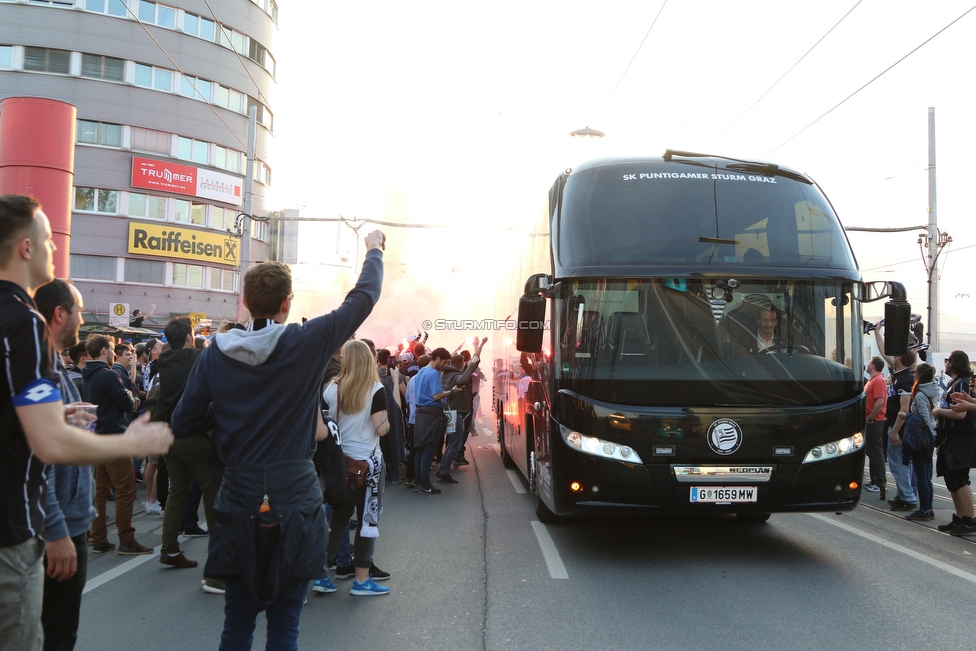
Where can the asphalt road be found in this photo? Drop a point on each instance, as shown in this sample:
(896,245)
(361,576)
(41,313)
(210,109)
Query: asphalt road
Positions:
(473,569)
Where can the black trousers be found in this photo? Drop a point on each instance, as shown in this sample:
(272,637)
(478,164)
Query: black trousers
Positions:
(874,448)
(62,603)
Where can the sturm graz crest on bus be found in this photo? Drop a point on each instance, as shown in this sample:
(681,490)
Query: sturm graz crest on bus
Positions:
(724,436)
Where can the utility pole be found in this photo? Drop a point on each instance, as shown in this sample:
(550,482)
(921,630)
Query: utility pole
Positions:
(933,242)
(245,260)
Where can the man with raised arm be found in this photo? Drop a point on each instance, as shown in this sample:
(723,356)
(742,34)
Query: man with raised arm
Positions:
(33,430)
(258,389)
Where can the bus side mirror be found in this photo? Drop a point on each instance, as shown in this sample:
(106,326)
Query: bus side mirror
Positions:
(898,316)
(531,323)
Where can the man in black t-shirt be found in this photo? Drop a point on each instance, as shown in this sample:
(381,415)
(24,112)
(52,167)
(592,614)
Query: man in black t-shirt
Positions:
(33,430)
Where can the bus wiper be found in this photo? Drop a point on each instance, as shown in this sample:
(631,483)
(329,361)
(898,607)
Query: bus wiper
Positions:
(767,169)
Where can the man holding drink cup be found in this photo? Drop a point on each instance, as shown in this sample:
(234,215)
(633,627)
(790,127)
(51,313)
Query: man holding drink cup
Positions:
(33,429)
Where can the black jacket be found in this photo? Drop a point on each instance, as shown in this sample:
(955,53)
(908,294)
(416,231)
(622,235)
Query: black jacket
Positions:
(103,387)
(266,559)
(173,368)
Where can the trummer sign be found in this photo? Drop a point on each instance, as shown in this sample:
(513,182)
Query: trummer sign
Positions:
(167,176)
(183,243)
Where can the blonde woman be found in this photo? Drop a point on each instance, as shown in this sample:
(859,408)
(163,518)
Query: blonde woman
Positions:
(357,402)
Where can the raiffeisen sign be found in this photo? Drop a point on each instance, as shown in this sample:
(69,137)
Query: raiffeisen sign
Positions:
(165,176)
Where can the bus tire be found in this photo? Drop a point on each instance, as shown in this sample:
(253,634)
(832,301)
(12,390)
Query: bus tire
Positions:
(752,518)
(507,460)
(545,515)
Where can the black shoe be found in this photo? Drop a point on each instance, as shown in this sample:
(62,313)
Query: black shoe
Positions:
(946,528)
(410,483)
(101,548)
(901,505)
(133,549)
(966,527)
(377,574)
(446,478)
(179,561)
(429,491)
(461,461)
(345,572)
(195,532)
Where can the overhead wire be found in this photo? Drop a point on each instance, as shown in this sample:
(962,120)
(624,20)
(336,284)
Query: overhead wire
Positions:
(633,58)
(874,79)
(192,83)
(783,76)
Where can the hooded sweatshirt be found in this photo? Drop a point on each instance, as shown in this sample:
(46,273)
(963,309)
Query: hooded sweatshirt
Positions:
(103,387)
(922,406)
(261,385)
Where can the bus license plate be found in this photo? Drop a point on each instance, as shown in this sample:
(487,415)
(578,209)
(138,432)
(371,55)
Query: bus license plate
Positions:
(714,494)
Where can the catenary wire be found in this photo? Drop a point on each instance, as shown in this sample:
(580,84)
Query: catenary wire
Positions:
(633,58)
(783,76)
(874,79)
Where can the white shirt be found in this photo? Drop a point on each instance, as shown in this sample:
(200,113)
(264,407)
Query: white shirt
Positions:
(359,437)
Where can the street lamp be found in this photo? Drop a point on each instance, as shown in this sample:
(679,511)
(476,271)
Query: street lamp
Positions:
(586,132)
(935,247)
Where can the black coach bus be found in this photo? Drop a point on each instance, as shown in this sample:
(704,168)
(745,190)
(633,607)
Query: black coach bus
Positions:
(689,340)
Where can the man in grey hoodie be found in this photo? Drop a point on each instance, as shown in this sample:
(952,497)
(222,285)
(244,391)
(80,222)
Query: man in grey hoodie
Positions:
(259,390)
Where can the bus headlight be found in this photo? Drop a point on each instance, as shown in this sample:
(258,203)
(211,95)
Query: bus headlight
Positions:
(598,447)
(835,449)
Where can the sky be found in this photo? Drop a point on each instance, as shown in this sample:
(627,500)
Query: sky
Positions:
(458,115)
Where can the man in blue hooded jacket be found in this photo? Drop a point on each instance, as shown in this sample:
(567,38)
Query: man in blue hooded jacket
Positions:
(258,390)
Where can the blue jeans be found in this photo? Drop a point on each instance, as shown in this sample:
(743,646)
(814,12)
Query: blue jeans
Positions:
(423,457)
(922,467)
(901,473)
(282,615)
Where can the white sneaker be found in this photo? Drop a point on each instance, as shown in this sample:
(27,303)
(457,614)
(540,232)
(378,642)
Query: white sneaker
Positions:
(153,508)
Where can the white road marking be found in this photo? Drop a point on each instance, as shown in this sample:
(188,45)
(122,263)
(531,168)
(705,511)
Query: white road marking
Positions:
(487,431)
(516,482)
(555,564)
(118,571)
(497,448)
(898,548)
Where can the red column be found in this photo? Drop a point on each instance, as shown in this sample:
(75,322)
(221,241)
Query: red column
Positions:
(37,157)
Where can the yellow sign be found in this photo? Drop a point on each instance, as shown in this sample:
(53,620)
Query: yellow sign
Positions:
(171,241)
(196,317)
(119,309)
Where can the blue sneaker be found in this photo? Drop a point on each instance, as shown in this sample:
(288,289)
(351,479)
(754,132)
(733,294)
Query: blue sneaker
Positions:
(368,587)
(324,586)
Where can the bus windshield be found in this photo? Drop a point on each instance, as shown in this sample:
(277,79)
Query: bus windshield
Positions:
(681,341)
(695,215)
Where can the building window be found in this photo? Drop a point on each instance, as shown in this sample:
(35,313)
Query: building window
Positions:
(153,77)
(199,26)
(195,150)
(42,59)
(96,200)
(6,57)
(187,275)
(259,230)
(232,40)
(230,99)
(157,14)
(64,4)
(145,271)
(150,140)
(196,88)
(92,267)
(143,205)
(110,7)
(99,67)
(190,213)
(223,280)
(99,133)
(224,218)
(227,159)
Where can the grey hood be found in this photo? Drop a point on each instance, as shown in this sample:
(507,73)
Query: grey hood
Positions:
(251,347)
(931,390)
